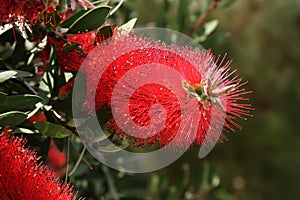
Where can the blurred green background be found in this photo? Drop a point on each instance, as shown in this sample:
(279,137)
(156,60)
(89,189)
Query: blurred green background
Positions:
(263,160)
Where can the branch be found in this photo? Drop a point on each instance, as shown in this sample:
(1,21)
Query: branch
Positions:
(203,17)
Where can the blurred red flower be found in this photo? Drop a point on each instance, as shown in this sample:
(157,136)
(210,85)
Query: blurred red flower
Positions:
(23,177)
(37,117)
(56,159)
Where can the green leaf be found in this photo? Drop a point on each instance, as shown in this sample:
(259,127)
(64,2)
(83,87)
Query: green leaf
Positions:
(12,119)
(227,3)
(25,131)
(112,148)
(2,97)
(101,3)
(19,50)
(116,8)
(23,102)
(209,27)
(72,19)
(182,14)
(5,75)
(69,46)
(40,46)
(52,130)
(90,20)
(5,28)
(128,26)
(77,162)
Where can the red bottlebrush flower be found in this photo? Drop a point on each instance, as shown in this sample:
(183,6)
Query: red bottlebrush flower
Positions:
(56,159)
(70,60)
(22,177)
(23,10)
(203,88)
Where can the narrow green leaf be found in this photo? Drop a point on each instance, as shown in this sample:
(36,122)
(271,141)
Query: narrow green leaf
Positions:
(116,8)
(182,14)
(90,20)
(52,130)
(77,162)
(128,26)
(12,119)
(6,75)
(23,102)
(40,46)
(68,160)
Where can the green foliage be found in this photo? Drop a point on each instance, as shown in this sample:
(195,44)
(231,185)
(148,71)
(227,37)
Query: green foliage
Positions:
(22,102)
(12,119)
(52,130)
(90,20)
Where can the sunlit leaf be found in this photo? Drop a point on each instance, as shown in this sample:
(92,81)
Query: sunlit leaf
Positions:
(209,27)
(52,130)
(40,46)
(116,7)
(12,119)
(25,131)
(6,75)
(127,27)
(20,73)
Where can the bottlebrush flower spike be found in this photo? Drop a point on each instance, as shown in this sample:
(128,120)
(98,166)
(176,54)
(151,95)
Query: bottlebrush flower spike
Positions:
(204,79)
(69,60)
(23,10)
(22,177)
